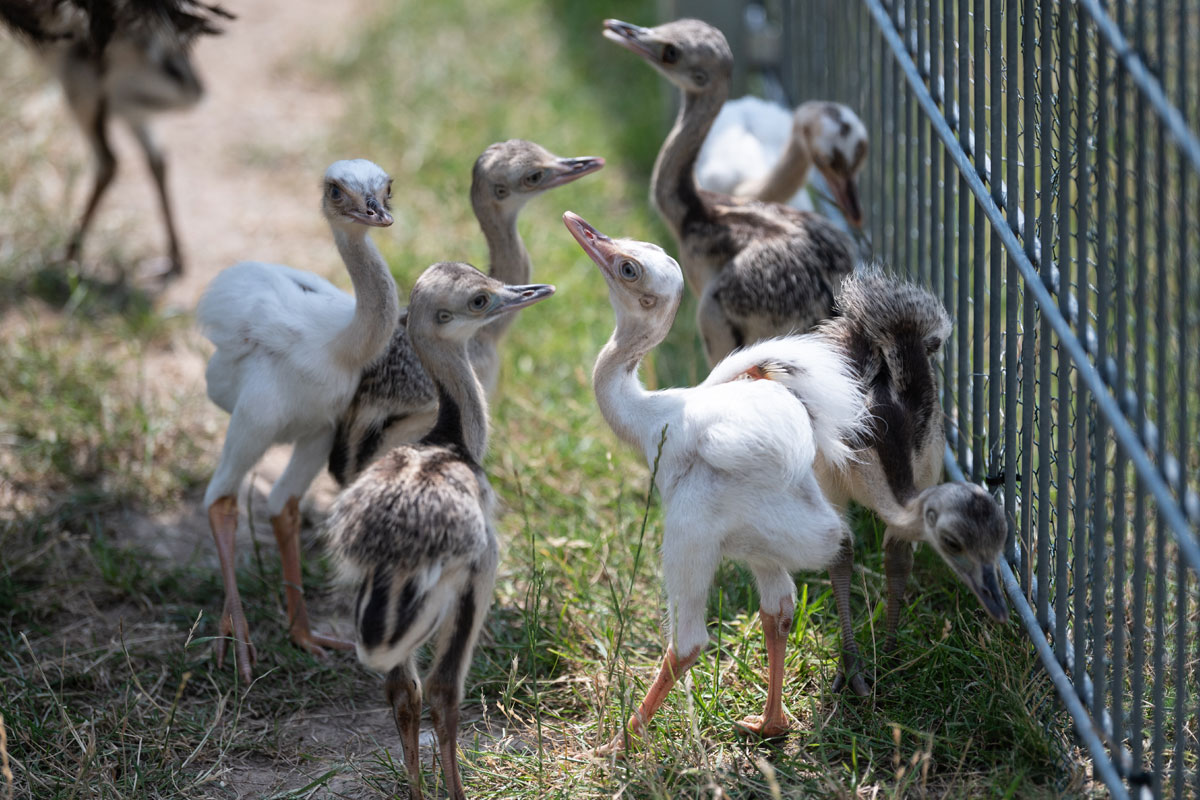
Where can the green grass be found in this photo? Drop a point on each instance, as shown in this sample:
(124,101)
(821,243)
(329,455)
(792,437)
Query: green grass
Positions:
(108,688)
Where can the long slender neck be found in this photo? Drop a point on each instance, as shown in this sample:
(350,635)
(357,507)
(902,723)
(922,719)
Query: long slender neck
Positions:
(376,306)
(673,183)
(462,409)
(508,261)
(623,401)
(907,522)
(784,179)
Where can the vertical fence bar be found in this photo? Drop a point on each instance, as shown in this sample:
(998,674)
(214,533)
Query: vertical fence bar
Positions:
(1063,542)
(1028,122)
(978,302)
(1044,238)
(1161,346)
(996,330)
(936,220)
(1086,440)
(949,240)
(893,123)
(1100,653)
(1121,329)
(962,307)
(1183,435)
(875,160)
(1012,278)
(1138,640)
(910,200)
(922,132)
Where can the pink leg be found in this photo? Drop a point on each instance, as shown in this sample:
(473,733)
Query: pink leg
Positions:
(773,722)
(286,526)
(672,669)
(223,519)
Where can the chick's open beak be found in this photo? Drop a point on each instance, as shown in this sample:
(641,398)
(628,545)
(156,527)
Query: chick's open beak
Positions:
(600,248)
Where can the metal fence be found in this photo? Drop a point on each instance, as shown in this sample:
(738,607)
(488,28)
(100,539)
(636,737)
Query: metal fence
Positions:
(1037,164)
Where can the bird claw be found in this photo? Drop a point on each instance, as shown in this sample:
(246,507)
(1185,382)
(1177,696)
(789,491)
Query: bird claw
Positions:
(614,749)
(315,643)
(756,726)
(234,627)
(858,684)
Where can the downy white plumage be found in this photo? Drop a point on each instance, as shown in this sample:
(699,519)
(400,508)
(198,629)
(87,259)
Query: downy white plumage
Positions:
(290,349)
(735,469)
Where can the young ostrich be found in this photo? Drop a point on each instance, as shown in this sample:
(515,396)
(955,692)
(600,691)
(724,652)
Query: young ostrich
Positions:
(414,531)
(395,401)
(757,149)
(290,349)
(736,467)
(758,269)
(890,330)
(123,59)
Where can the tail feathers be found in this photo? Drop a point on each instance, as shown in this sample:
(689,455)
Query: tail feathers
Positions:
(822,379)
(398,610)
(900,319)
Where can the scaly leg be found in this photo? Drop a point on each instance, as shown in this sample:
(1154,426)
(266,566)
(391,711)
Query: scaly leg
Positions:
(672,669)
(452,655)
(158,167)
(403,692)
(223,519)
(840,572)
(897,565)
(93,125)
(286,526)
(773,722)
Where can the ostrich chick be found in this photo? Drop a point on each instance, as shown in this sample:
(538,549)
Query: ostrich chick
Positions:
(757,150)
(758,269)
(119,59)
(395,401)
(415,532)
(890,330)
(290,349)
(734,467)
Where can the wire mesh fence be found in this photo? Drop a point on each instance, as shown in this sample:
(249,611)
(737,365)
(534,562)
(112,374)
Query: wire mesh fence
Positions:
(1037,165)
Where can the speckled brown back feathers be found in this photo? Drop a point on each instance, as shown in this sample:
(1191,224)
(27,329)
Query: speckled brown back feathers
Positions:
(394,388)
(891,329)
(771,274)
(441,512)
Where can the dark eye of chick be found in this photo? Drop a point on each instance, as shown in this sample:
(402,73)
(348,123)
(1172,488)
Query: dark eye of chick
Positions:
(334,192)
(479,302)
(670,54)
(628,270)
(533,178)
(952,546)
